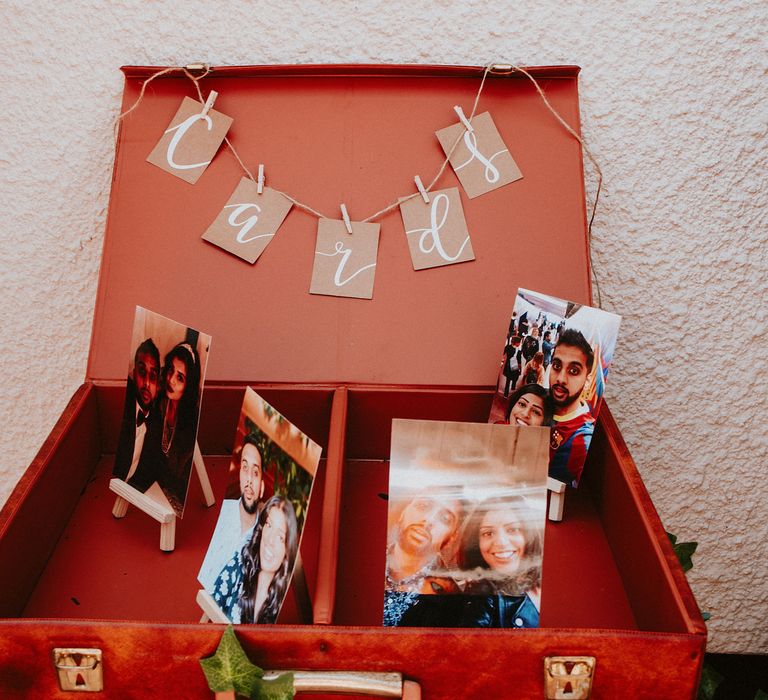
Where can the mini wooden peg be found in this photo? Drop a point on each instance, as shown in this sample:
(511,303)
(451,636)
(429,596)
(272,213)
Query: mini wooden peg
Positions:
(260,179)
(422,191)
(556,499)
(209,102)
(345,216)
(463,118)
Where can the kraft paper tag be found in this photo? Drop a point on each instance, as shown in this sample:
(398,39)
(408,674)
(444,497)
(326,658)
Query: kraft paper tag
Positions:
(437,232)
(481,161)
(190,142)
(249,220)
(345,263)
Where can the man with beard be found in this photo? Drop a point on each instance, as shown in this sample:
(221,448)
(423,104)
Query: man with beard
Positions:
(238,517)
(572,426)
(427,527)
(140,393)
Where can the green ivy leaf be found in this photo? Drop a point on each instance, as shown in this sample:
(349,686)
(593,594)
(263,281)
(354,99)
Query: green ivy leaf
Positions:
(706,616)
(710,679)
(228,668)
(684,551)
(278,688)
(761,695)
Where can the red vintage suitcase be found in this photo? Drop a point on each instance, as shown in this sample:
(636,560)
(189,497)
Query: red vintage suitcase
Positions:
(427,346)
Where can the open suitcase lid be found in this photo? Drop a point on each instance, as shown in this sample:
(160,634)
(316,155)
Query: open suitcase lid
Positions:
(332,134)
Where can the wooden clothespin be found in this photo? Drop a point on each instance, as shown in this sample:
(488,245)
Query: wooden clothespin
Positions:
(212,95)
(463,118)
(422,190)
(345,216)
(260,180)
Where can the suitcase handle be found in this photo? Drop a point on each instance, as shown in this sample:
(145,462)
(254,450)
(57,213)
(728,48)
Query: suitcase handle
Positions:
(387,685)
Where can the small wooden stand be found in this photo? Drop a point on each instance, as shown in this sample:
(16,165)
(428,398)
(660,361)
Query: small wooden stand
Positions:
(161,512)
(212,612)
(556,499)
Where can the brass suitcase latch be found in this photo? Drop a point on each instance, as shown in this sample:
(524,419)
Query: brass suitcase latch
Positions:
(568,677)
(79,669)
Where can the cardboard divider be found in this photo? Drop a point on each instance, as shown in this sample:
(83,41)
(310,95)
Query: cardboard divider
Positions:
(325,592)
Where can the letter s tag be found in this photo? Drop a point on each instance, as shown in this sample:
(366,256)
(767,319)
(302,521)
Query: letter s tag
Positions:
(480,157)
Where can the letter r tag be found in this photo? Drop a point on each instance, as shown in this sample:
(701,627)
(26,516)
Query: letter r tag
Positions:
(345,263)
(190,142)
(437,232)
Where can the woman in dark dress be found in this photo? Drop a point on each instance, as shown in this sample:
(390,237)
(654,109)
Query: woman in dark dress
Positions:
(173,423)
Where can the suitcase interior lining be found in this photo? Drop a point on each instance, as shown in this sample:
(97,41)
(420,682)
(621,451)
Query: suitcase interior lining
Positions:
(596,574)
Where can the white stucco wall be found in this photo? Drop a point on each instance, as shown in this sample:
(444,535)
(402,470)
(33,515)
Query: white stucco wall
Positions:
(674,108)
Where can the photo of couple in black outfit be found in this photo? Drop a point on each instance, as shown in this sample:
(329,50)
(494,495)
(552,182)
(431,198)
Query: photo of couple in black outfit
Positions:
(162,408)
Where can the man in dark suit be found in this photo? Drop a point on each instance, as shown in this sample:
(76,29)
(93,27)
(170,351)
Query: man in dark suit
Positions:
(140,394)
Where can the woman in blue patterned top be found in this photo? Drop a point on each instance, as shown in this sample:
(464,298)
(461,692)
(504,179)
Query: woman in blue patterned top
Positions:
(252,585)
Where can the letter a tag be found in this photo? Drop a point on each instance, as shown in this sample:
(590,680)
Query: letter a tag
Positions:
(437,232)
(191,140)
(248,221)
(345,263)
(481,160)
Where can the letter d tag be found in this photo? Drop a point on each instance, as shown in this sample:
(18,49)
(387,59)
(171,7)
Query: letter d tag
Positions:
(248,221)
(481,161)
(190,142)
(345,263)
(437,232)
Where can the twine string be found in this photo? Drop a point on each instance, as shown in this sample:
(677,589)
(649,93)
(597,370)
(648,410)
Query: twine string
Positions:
(396,203)
(592,160)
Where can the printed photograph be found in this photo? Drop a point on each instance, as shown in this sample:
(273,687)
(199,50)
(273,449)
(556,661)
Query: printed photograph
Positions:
(250,560)
(465,525)
(166,371)
(553,371)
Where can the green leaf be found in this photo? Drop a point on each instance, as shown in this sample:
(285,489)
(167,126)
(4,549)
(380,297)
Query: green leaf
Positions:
(706,616)
(761,695)
(228,668)
(278,688)
(684,551)
(710,679)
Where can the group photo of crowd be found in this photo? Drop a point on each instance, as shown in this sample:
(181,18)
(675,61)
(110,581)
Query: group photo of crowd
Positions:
(162,408)
(466,517)
(553,371)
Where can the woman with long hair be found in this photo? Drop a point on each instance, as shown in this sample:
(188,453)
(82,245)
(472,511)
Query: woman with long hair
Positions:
(533,370)
(501,551)
(175,427)
(531,404)
(267,562)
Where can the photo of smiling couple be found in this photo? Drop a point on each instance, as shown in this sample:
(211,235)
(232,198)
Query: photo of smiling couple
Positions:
(553,372)
(466,513)
(255,544)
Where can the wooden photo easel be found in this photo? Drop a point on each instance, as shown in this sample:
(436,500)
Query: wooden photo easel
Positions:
(161,512)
